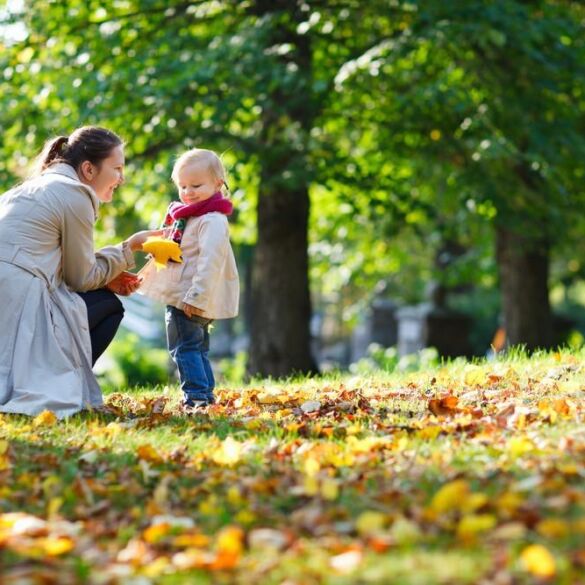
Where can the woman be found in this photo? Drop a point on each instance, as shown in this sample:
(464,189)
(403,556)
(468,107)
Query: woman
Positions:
(59,310)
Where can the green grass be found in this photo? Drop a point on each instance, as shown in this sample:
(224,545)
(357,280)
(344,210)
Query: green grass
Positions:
(370,487)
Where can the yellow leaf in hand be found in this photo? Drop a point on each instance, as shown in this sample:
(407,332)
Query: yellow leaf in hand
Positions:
(538,560)
(162,250)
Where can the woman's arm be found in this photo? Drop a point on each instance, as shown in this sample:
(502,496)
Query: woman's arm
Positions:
(83,268)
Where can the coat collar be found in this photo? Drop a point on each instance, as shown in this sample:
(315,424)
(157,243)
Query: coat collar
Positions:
(68,171)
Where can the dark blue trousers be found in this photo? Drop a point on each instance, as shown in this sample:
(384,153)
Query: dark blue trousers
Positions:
(105,312)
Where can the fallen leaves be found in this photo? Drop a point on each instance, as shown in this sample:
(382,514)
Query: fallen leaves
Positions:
(538,561)
(359,479)
(45,419)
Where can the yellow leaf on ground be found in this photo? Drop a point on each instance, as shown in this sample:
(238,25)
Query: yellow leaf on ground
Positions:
(229,547)
(156,532)
(229,452)
(474,376)
(518,446)
(148,453)
(311,485)
(470,526)
(369,522)
(311,466)
(46,418)
(329,489)
(538,560)
(4,459)
(57,546)
(553,528)
(451,496)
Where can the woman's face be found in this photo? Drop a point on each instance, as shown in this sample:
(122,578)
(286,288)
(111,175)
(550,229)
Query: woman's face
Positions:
(105,178)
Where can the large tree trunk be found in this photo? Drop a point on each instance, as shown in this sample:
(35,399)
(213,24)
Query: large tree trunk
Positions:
(281,305)
(523,267)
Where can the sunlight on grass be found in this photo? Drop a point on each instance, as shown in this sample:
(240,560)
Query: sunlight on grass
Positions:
(462,472)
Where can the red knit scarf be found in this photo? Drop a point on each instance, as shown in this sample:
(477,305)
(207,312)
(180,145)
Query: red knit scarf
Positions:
(178,213)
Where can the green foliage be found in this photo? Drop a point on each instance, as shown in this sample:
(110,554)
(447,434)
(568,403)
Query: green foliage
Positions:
(134,364)
(415,125)
(232,370)
(386,359)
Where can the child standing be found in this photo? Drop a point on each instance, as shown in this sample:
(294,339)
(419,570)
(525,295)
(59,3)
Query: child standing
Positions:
(205,286)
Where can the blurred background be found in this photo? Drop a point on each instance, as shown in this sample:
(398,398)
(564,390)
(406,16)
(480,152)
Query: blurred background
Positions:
(408,177)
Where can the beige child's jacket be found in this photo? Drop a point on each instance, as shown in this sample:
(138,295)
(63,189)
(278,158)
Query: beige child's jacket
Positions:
(207,278)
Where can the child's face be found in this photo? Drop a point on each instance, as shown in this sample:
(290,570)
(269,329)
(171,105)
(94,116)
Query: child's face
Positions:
(196,184)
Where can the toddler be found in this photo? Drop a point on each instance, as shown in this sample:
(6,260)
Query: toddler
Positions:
(205,286)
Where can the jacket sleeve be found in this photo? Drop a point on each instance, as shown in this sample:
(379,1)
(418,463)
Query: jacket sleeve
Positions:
(213,249)
(83,268)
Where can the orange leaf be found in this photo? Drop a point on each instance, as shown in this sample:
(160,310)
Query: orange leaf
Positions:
(149,453)
(444,406)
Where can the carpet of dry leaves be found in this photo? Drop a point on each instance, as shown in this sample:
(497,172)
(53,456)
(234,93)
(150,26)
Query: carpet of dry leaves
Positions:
(464,474)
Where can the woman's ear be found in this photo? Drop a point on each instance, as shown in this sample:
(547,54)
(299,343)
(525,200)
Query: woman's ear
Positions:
(87,170)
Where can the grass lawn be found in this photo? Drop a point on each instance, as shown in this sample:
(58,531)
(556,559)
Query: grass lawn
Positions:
(468,473)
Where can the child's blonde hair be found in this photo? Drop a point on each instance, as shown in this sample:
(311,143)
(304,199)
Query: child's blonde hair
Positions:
(204,158)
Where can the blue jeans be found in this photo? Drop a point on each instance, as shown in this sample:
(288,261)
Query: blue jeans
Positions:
(188,342)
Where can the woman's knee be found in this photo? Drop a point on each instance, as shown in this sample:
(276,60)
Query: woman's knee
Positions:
(115,302)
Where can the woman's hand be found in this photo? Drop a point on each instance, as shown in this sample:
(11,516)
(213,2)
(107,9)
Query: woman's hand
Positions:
(124,284)
(190,310)
(136,240)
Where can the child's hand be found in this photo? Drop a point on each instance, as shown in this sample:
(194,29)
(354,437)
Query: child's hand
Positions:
(124,284)
(190,310)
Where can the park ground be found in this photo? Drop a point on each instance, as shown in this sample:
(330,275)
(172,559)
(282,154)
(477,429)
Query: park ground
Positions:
(464,473)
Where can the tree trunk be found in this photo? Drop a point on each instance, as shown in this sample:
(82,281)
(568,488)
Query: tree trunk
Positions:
(523,267)
(280,343)
(281,306)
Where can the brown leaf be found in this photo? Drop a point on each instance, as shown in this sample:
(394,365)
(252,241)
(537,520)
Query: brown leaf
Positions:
(444,406)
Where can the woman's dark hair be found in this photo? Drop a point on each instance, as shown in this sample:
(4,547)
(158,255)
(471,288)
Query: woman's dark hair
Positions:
(90,143)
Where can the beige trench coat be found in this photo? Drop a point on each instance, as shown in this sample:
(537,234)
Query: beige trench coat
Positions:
(207,278)
(46,253)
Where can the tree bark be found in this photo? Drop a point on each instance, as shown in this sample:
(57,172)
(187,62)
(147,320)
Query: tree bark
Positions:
(280,343)
(281,306)
(523,265)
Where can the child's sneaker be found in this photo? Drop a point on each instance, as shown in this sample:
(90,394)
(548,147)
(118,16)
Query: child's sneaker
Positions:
(194,406)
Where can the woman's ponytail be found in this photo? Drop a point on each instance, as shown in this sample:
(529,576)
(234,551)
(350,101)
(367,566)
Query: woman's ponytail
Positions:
(52,152)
